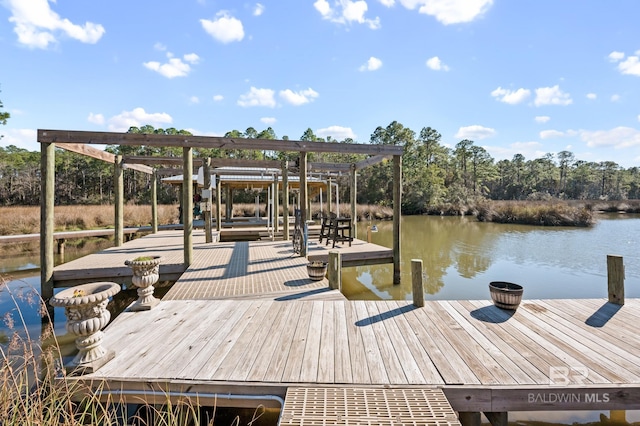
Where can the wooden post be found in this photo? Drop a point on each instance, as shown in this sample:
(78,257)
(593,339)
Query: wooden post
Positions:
(354,201)
(397,201)
(154,202)
(187,203)
(218,203)
(328,196)
(227,204)
(119,202)
(334,270)
(615,279)
(469,418)
(416,283)
(276,204)
(206,168)
(498,418)
(303,199)
(369,233)
(47,196)
(285,200)
(61,247)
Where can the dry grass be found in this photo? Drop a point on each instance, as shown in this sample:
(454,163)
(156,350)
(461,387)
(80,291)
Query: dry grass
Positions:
(364,212)
(26,219)
(540,213)
(35,390)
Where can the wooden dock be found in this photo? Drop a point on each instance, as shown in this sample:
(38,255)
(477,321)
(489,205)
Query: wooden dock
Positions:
(244,319)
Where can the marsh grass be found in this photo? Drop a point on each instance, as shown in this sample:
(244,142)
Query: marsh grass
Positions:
(35,389)
(535,213)
(15,220)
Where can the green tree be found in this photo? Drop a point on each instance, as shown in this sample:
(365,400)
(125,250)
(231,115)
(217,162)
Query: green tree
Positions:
(4,116)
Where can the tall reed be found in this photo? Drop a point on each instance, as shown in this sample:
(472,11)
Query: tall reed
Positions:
(35,389)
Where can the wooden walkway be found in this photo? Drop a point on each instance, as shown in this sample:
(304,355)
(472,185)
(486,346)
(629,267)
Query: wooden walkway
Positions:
(253,269)
(245,319)
(484,358)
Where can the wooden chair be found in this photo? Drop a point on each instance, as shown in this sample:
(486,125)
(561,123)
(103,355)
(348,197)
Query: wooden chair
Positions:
(340,231)
(325,226)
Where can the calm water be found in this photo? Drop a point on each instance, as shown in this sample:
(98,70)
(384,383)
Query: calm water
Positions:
(460,257)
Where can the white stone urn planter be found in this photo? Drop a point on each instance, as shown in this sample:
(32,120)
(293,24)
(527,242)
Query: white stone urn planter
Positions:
(146,271)
(86,310)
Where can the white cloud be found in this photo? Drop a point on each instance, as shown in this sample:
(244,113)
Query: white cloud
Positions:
(511,97)
(387,3)
(592,96)
(194,100)
(615,97)
(192,58)
(336,132)
(137,117)
(542,118)
(554,134)
(22,138)
(371,65)
(258,9)
(258,97)
(531,149)
(346,12)
(475,132)
(638,117)
(159,46)
(619,137)
(616,56)
(218,98)
(268,120)
(552,96)
(298,98)
(629,66)
(551,134)
(37,25)
(96,118)
(450,11)
(436,64)
(225,28)
(175,67)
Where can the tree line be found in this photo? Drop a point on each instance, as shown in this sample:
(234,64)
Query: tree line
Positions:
(433,174)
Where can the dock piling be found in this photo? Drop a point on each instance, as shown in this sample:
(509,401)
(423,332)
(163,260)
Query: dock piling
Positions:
(335,270)
(416,283)
(500,418)
(615,279)
(469,418)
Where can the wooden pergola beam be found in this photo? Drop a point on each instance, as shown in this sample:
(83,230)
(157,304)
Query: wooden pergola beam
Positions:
(108,157)
(136,139)
(155,161)
(371,161)
(329,167)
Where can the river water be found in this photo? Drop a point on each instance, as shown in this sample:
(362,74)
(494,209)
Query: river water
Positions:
(460,257)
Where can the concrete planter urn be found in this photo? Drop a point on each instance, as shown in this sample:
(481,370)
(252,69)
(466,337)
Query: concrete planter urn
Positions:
(145,275)
(86,310)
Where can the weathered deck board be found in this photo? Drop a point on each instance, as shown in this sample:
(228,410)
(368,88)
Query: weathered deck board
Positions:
(267,343)
(246,269)
(245,315)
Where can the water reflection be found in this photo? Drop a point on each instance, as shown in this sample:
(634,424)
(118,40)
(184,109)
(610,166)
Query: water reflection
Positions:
(461,256)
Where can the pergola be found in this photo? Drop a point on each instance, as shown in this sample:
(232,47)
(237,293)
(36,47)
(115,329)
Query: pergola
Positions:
(81,141)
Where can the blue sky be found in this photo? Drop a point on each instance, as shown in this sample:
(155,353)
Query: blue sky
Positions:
(527,76)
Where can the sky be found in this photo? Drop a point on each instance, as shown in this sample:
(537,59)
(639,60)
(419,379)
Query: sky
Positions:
(526,77)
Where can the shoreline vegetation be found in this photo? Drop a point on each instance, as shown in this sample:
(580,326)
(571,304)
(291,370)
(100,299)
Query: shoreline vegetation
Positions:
(17,220)
(36,390)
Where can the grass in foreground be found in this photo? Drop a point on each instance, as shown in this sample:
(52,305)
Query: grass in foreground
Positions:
(34,388)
